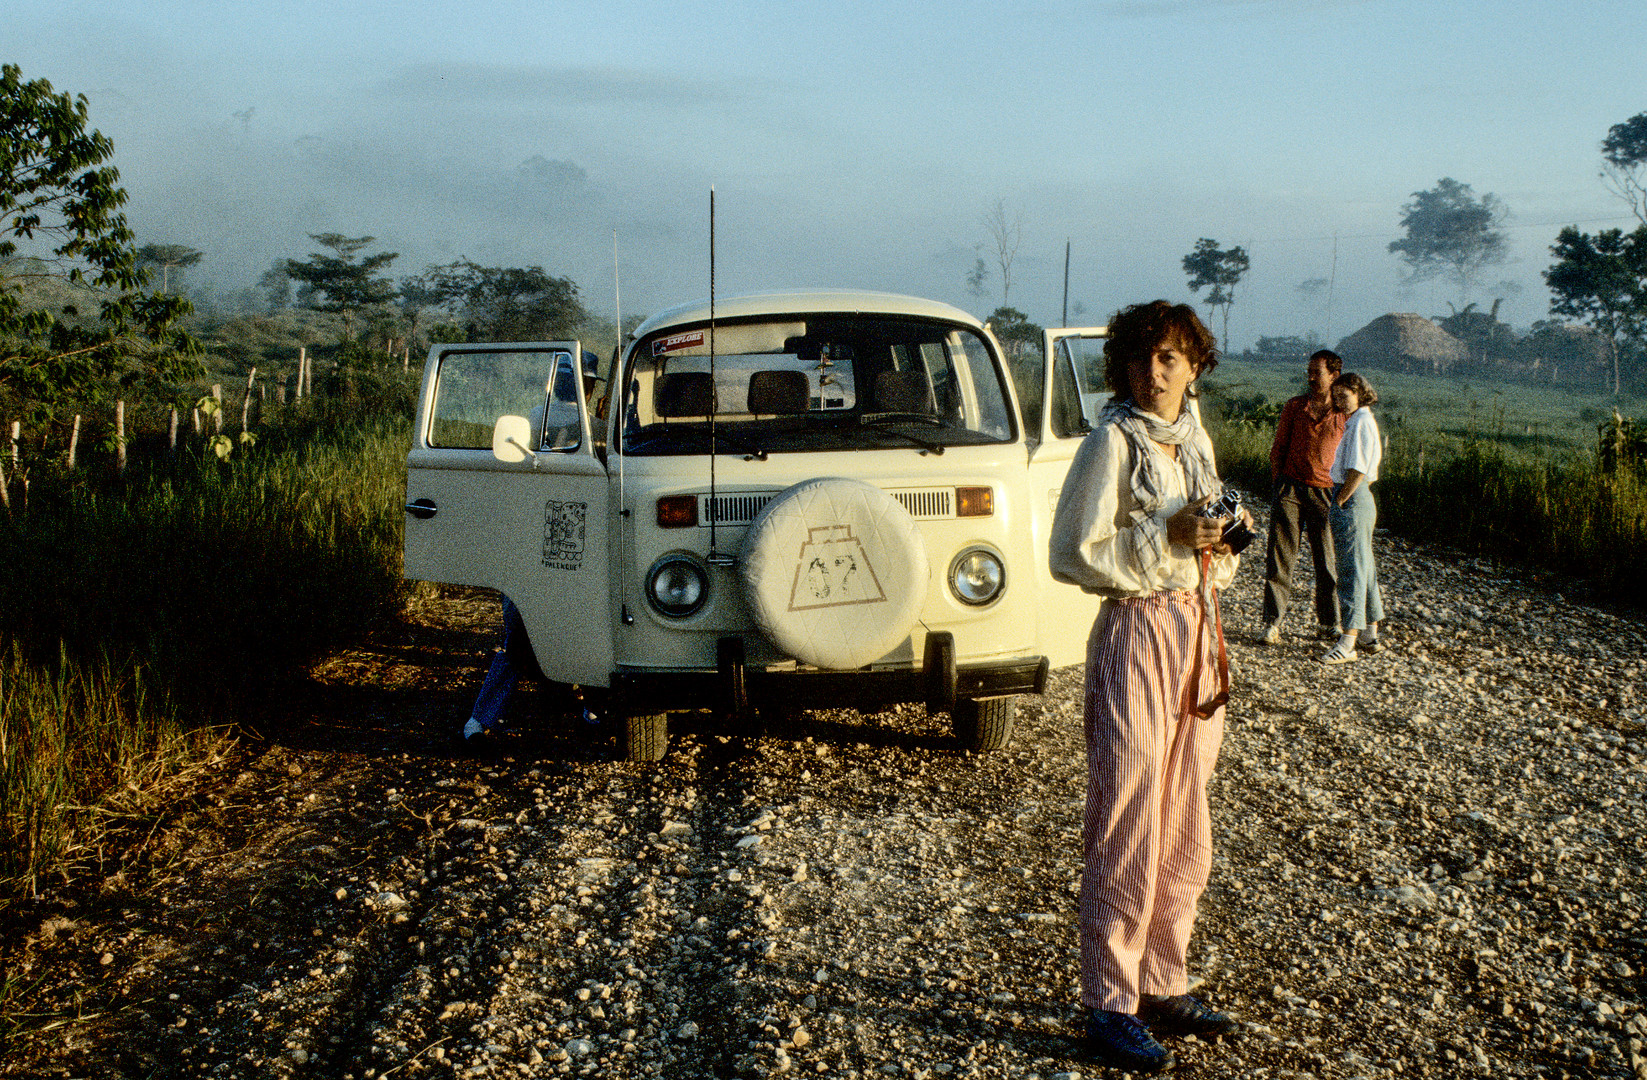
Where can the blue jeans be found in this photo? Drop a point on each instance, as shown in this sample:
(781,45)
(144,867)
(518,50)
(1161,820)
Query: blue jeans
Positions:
(504,673)
(1359,600)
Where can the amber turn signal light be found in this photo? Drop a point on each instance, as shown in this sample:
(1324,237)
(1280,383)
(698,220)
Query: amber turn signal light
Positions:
(974,502)
(677,511)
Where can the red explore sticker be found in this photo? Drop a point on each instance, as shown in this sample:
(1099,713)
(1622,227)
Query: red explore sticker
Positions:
(676,342)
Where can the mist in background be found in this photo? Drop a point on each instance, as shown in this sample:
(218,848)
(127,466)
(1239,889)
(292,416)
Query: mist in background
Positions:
(852,146)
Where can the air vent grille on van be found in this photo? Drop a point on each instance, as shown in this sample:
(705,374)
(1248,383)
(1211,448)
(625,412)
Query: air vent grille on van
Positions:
(740,509)
(927,502)
(732,509)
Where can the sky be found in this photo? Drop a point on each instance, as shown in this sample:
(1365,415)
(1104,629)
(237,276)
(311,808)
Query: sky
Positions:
(860,145)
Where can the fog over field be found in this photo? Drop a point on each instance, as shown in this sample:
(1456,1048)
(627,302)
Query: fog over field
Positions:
(853,146)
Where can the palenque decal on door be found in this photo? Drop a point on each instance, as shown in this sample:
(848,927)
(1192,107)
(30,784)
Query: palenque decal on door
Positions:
(563,534)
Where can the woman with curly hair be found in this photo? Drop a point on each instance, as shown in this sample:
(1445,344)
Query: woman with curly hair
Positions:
(1128,528)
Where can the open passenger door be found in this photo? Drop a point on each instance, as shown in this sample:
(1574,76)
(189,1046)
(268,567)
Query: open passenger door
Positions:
(504,489)
(1072,393)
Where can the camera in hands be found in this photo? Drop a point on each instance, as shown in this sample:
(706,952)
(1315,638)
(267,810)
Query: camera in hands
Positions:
(1228,505)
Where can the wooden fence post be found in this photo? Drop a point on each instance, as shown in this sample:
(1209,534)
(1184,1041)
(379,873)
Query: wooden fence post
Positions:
(246,402)
(74,438)
(171,432)
(119,437)
(5,480)
(217,418)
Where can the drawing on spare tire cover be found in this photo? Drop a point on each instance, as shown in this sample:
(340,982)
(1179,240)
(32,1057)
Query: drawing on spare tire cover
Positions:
(815,500)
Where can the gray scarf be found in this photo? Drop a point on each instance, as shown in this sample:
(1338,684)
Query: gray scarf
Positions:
(1142,428)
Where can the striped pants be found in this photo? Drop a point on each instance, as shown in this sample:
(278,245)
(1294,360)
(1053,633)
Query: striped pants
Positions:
(1147,837)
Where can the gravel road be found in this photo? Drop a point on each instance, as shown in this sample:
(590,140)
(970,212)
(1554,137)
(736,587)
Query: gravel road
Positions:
(1430,863)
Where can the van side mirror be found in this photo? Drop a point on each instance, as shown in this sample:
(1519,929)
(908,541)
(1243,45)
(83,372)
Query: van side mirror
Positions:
(512,439)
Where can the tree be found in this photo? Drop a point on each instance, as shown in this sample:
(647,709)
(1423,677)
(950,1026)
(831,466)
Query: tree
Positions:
(1624,163)
(338,283)
(497,303)
(1481,331)
(1602,281)
(1021,342)
(1290,348)
(276,286)
(1451,232)
(168,257)
(979,273)
(1207,265)
(60,199)
(1006,233)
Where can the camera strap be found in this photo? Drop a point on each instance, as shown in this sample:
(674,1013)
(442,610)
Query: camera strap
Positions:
(1204,710)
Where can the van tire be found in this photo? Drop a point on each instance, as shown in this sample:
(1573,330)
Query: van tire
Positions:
(644,738)
(984,723)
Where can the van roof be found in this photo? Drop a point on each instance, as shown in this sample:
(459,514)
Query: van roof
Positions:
(805,302)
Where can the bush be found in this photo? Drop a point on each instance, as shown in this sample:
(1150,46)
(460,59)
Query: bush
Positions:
(1622,444)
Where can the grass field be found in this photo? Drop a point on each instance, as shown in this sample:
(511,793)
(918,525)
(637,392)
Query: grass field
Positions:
(1498,469)
(1441,414)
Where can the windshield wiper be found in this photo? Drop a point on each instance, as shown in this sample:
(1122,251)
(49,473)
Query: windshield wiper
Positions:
(884,421)
(756,452)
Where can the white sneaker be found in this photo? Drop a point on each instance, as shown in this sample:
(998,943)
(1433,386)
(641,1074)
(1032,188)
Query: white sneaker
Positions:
(1340,653)
(1370,645)
(1272,633)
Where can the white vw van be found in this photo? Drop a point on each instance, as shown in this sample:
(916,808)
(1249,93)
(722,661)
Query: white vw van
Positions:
(785,501)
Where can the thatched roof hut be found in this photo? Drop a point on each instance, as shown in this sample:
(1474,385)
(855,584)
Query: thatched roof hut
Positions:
(1403,342)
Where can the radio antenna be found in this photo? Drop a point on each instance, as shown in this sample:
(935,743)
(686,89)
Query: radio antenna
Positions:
(1066,282)
(715,558)
(613,398)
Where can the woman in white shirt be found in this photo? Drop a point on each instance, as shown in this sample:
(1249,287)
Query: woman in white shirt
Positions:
(1127,528)
(1352,515)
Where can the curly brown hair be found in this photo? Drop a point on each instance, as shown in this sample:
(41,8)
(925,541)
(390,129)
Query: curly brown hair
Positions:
(1364,393)
(1135,332)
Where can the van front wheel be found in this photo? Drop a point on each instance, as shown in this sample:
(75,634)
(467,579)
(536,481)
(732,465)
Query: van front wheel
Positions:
(984,723)
(645,738)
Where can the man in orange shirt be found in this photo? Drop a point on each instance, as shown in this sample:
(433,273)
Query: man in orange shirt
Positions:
(1300,461)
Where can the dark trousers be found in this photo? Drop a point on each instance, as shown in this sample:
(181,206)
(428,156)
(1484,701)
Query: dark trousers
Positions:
(1297,508)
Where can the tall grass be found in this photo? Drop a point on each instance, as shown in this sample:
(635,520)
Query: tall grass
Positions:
(80,742)
(1564,515)
(168,602)
(1477,489)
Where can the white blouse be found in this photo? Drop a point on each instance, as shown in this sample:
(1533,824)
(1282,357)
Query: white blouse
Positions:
(1360,449)
(1104,542)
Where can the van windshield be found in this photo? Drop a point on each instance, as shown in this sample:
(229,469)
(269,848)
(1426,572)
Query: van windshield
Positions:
(818,382)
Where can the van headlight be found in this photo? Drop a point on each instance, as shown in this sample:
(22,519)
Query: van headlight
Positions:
(977,576)
(677,586)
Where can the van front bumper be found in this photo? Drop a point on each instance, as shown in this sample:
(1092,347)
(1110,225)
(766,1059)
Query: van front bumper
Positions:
(734,688)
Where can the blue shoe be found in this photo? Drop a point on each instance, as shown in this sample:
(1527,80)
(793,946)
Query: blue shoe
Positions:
(477,740)
(1119,1041)
(1182,1014)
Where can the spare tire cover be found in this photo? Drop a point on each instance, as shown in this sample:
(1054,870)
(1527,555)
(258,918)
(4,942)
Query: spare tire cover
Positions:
(834,572)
